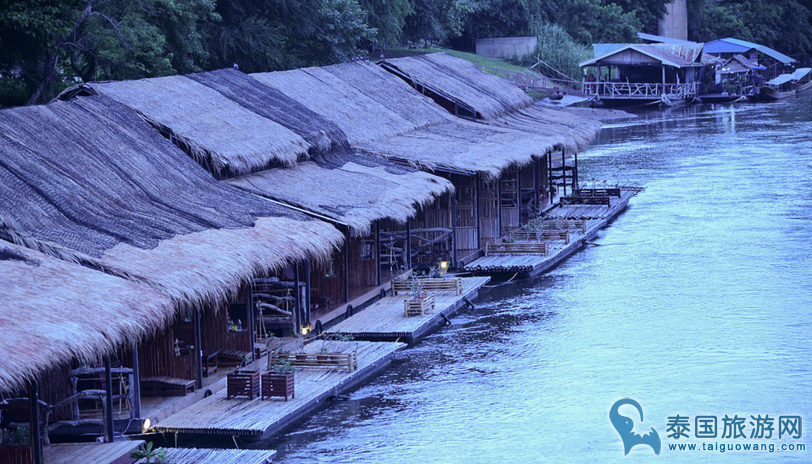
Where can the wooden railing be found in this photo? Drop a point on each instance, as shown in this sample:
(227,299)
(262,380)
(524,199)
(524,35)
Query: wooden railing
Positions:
(640,90)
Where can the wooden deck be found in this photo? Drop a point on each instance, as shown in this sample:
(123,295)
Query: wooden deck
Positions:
(597,217)
(216,456)
(216,415)
(384,319)
(98,453)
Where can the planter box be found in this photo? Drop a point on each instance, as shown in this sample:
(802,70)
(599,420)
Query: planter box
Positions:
(277,385)
(16,454)
(450,284)
(347,361)
(418,307)
(243,383)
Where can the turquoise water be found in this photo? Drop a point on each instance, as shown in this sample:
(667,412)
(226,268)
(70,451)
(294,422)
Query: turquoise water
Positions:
(696,301)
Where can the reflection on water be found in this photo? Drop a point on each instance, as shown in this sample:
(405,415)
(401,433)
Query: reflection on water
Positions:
(695,301)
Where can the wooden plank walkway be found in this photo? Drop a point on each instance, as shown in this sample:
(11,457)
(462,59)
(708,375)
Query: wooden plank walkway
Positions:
(216,415)
(117,452)
(216,456)
(384,319)
(597,217)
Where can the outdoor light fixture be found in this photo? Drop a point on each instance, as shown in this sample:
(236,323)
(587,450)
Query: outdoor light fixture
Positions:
(443,268)
(305,329)
(145,425)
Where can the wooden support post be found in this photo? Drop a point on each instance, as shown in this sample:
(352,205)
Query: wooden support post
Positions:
(378,251)
(36,436)
(477,212)
(252,318)
(537,183)
(135,386)
(408,247)
(575,172)
(453,197)
(499,226)
(307,292)
(564,172)
(347,265)
(519,193)
(198,346)
(108,400)
(298,320)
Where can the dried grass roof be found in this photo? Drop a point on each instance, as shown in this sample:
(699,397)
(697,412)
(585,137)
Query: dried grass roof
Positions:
(497,101)
(337,183)
(219,132)
(383,116)
(356,190)
(53,311)
(89,181)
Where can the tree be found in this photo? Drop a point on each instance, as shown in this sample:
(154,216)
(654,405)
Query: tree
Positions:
(388,17)
(46,44)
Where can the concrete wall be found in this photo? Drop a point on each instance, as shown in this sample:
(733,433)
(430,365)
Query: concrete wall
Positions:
(506,47)
(675,22)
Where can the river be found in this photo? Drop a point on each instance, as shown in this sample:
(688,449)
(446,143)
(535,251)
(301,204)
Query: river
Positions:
(695,301)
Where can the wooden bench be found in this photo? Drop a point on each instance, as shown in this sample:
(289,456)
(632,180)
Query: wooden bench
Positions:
(605,201)
(232,358)
(166,386)
(598,192)
(242,383)
(575,224)
(429,285)
(543,235)
(517,248)
(348,361)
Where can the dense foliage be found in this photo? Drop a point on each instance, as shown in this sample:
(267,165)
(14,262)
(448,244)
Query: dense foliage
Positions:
(46,45)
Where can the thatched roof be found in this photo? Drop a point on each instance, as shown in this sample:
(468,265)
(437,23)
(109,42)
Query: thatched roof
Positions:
(220,133)
(496,101)
(89,181)
(354,189)
(384,117)
(53,311)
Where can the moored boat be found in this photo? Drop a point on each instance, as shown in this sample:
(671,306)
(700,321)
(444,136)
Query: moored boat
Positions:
(779,88)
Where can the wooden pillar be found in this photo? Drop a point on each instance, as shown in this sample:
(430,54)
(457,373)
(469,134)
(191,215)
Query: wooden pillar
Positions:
(33,406)
(347,265)
(135,386)
(477,215)
(308,296)
(298,319)
(663,68)
(575,172)
(499,206)
(378,251)
(453,228)
(537,183)
(251,322)
(408,247)
(108,400)
(198,346)
(519,192)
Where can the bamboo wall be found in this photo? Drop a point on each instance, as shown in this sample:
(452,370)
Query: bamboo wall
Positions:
(466,212)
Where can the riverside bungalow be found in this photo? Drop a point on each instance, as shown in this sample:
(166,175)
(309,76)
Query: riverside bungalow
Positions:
(385,118)
(58,315)
(768,62)
(467,91)
(640,74)
(294,157)
(89,182)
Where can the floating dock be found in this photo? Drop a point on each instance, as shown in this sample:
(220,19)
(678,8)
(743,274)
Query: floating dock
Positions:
(97,453)
(529,265)
(216,456)
(384,319)
(256,418)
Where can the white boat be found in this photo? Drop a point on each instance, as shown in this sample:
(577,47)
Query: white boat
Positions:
(779,88)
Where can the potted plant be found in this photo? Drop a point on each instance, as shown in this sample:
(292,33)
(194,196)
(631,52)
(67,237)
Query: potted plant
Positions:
(149,455)
(420,302)
(16,446)
(279,380)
